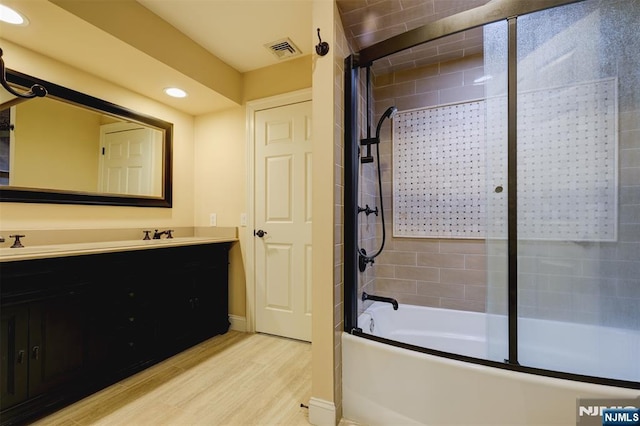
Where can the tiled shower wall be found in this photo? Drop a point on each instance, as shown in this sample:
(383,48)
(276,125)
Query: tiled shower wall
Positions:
(446,273)
(589,282)
(586,282)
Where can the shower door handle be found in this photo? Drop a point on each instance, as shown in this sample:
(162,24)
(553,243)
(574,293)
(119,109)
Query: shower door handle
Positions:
(260,233)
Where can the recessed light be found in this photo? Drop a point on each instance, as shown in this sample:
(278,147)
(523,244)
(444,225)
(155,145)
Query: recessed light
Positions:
(175,92)
(11,16)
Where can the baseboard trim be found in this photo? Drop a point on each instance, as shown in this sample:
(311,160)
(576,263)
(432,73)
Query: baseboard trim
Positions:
(321,412)
(238,323)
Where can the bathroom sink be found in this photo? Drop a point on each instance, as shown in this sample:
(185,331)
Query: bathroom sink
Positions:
(59,250)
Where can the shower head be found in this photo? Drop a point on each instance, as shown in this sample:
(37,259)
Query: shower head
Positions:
(389,113)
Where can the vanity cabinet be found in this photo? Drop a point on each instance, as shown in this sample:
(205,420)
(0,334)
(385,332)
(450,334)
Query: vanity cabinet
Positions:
(42,338)
(73,325)
(14,341)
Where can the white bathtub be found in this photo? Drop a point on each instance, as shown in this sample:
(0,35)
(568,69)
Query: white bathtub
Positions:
(387,385)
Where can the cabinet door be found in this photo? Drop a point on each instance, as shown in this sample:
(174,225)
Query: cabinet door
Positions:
(197,302)
(13,343)
(56,341)
(210,289)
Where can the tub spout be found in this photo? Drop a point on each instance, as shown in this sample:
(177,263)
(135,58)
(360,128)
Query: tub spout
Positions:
(393,301)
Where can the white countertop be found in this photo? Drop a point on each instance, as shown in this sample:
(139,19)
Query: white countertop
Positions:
(75,249)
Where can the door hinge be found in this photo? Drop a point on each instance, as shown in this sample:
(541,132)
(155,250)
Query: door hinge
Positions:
(103,150)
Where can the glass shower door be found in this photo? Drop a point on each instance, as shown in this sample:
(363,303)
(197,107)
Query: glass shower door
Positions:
(578,192)
(496,85)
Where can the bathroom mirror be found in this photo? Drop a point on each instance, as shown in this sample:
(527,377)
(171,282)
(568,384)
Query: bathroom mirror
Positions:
(72,148)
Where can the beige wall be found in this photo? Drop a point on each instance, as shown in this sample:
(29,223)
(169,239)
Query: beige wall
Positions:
(288,76)
(210,176)
(220,164)
(19,216)
(46,146)
(327,107)
(220,186)
(209,161)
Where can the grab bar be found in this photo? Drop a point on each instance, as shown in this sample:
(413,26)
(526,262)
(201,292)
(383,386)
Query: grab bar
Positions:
(394,302)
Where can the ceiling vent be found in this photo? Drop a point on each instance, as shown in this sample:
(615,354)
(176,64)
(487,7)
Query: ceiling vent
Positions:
(283,48)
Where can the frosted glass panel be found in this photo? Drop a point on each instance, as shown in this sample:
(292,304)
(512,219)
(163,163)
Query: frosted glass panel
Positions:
(495,66)
(579,273)
(439,165)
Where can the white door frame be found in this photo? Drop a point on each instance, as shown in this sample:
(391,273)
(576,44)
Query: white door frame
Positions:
(250,270)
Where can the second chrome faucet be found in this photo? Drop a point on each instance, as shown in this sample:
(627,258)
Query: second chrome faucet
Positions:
(157,234)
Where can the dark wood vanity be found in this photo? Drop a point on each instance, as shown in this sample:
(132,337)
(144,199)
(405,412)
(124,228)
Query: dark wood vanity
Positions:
(73,325)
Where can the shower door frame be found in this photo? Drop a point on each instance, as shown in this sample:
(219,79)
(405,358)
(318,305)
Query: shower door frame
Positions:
(498,10)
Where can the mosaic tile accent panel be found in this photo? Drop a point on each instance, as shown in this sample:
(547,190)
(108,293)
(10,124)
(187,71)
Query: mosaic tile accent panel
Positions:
(567,167)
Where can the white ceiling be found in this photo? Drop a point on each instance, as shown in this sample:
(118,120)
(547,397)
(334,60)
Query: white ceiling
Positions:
(234,31)
(237,30)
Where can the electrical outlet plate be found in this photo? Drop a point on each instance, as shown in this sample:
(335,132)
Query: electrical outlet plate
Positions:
(213,219)
(243,219)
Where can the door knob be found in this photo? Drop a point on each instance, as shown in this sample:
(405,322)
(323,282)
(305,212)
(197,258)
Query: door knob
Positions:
(260,233)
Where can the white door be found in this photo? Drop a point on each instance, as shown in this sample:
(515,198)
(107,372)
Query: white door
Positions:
(283,213)
(126,160)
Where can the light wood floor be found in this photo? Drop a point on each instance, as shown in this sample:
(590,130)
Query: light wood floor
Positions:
(233,379)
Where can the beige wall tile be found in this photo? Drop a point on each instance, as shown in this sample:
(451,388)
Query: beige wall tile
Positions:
(395,285)
(417,245)
(439,82)
(397,258)
(472,261)
(461,276)
(463,246)
(440,260)
(419,300)
(418,273)
(456,291)
(475,292)
(461,94)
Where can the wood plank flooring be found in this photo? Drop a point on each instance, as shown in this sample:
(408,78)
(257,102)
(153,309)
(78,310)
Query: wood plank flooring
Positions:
(233,379)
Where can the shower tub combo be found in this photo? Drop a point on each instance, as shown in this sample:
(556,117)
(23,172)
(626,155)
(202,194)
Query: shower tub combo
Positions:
(571,253)
(387,385)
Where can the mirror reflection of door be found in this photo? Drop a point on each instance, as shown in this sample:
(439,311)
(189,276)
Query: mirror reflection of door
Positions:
(6,144)
(129,157)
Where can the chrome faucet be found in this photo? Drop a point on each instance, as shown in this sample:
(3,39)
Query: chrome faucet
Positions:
(157,235)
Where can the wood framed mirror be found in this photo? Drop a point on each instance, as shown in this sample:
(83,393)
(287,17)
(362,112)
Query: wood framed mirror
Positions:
(72,148)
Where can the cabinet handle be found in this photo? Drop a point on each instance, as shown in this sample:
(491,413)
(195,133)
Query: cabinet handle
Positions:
(35,352)
(20,357)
